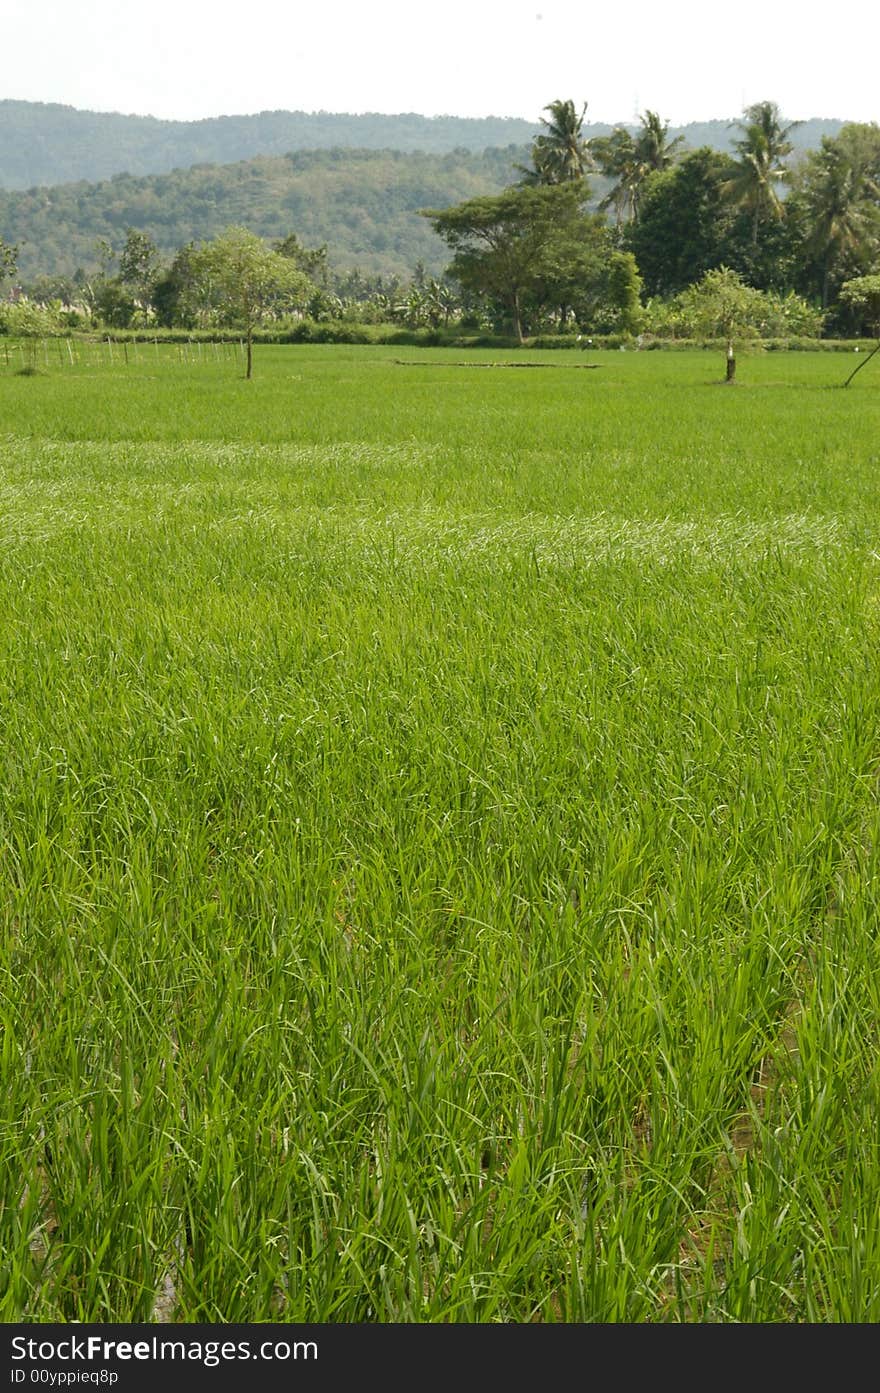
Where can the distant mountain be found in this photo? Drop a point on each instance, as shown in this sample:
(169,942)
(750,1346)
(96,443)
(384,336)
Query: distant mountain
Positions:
(362,203)
(46,144)
(50,144)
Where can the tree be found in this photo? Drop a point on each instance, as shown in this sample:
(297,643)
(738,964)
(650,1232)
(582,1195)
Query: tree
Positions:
(562,154)
(723,306)
(760,168)
(175,291)
(654,150)
(683,222)
(312,261)
(139,267)
(623,313)
(8,261)
(629,159)
(244,281)
(514,246)
(28,322)
(617,158)
(840,190)
(863,294)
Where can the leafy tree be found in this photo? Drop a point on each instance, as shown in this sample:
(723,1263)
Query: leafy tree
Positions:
(561,153)
(113,303)
(512,247)
(29,322)
(863,295)
(175,298)
(243,281)
(760,166)
(723,306)
(683,223)
(139,266)
(8,261)
(312,261)
(623,313)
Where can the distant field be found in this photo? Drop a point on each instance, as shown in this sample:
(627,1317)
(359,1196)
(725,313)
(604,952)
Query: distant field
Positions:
(439,838)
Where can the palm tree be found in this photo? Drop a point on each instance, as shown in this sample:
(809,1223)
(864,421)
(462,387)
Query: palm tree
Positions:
(617,158)
(561,154)
(762,150)
(654,149)
(840,193)
(628,160)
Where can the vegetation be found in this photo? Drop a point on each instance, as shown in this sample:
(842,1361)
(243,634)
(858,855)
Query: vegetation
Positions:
(440,840)
(363,204)
(45,143)
(561,152)
(526,248)
(242,282)
(8,261)
(602,234)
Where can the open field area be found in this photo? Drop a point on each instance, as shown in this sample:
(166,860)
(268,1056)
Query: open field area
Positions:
(439,838)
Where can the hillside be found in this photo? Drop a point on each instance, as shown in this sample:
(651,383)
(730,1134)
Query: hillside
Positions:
(364,204)
(45,143)
(41,143)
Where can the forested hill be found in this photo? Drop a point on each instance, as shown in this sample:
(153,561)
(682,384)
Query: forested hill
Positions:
(50,144)
(362,203)
(43,143)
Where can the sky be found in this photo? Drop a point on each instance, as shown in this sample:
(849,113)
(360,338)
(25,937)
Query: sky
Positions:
(695,60)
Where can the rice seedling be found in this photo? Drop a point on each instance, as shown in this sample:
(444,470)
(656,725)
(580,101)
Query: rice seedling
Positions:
(438,841)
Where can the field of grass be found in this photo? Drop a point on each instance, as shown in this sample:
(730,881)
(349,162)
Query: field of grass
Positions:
(439,839)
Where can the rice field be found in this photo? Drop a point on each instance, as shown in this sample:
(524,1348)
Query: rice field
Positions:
(439,839)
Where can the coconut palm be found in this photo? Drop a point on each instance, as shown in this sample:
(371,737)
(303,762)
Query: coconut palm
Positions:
(617,158)
(628,159)
(841,194)
(760,168)
(654,150)
(561,153)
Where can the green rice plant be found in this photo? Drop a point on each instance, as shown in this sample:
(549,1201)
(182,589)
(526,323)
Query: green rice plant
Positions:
(438,842)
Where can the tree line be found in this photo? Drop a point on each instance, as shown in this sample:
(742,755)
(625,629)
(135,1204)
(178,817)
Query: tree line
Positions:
(783,247)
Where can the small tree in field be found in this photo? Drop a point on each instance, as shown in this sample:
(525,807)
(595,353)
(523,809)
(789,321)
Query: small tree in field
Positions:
(863,294)
(29,323)
(722,306)
(244,282)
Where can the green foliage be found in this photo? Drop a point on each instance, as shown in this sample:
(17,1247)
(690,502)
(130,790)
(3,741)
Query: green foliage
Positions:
(760,169)
(683,223)
(561,152)
(526,248)
(29,322)
(113,302)
(26,319)
(627,159)
(839,195)
(362,204)
(238,280)
(45,143)
(139,266)
(8,261)
(441,852)
(862,294)
(622,307)
(722,306)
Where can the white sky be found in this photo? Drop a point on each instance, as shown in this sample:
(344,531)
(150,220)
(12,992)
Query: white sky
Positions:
(689,59)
